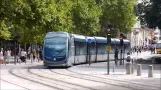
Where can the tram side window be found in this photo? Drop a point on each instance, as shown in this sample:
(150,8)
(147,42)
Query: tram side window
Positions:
(113,47)
(83,49)
(127,48)
(80,48)
(104,48)
(119,47)
(77,48)
(92,48)
(100,49)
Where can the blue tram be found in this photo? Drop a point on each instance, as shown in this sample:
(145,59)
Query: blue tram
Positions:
(64,49)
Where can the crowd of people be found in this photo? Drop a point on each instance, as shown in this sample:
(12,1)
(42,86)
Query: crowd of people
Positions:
(136,49)
(139,49)
(33,54)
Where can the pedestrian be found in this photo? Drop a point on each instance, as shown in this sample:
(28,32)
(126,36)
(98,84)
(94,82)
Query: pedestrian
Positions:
(34,54)
(1,56)
(23,56)
(40,54)
(8,55)
(128,59)
(116,56)
(137,50)
(140,50)
(5,56)
(151,49)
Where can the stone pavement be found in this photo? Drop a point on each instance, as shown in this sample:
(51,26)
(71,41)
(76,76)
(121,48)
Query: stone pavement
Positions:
(5,85)
(119,74)
(144,55)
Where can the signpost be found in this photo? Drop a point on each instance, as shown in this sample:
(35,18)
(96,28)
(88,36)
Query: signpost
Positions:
(89,41)
(108,64)
(108,48)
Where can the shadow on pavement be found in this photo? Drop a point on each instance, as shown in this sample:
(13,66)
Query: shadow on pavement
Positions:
(44,67)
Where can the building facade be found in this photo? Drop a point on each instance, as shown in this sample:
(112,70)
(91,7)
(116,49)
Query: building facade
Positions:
(140,36)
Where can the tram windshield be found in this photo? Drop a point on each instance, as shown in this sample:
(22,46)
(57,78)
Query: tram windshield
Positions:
(55,45)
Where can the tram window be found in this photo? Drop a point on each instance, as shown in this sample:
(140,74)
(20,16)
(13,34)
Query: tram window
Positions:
(93,48)
(100,49)
(119,47)
(77,48)
(104,48)
(113,47)
(80,48)
(127,48)
(83,49)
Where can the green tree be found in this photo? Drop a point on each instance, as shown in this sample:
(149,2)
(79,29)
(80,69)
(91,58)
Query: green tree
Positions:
(119,13)
(5,12)
(149,13)
(34,18)
(85,16)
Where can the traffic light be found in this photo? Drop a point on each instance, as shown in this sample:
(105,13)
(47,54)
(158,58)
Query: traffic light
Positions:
(108,38)
(121,39)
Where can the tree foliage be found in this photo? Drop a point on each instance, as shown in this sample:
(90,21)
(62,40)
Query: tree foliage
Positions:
(30,20)
(85,16)
(119,13)
(148,13)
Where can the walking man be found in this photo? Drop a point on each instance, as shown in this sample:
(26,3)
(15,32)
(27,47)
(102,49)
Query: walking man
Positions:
(116,56)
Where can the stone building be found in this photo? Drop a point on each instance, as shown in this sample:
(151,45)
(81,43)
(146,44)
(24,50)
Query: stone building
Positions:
(140,36)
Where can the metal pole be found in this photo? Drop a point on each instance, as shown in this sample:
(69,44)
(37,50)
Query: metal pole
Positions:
(123,53)
(15,53)
(89,55)
(108,64)
(121,56)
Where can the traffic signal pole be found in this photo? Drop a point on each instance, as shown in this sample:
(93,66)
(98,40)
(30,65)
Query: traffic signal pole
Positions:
(108,51)
(122,44)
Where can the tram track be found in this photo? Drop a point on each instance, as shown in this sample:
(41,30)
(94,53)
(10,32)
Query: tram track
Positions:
(89,79)
(15,84)
(37,80)
(120,80)
(72,85)
(104,80)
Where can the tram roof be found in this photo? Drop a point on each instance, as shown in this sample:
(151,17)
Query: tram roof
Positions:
(92,38)
(103,40)
(117,41)
(126,41)
(51,34)
(79,38)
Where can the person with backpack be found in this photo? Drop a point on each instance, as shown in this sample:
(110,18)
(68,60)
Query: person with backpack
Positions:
(128,59)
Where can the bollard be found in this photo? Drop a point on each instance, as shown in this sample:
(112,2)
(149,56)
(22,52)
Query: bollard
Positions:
(139,70)
(113,69)
(132,70)
(150,71)
(128,68)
